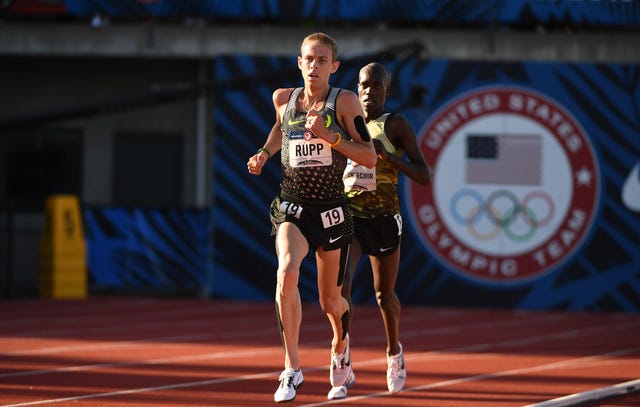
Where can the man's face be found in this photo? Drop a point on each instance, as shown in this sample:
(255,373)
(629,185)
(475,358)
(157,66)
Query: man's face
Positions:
(372,90)
(316,63)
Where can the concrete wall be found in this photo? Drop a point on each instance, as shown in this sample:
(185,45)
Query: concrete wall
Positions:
(148,40)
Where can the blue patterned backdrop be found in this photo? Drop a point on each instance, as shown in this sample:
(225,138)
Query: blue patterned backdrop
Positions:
(227,251)
(508,12)
(160,250)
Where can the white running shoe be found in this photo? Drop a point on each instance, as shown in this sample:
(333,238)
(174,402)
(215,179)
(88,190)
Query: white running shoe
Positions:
(340,392)
(290,380)
(340,371)
(396,372)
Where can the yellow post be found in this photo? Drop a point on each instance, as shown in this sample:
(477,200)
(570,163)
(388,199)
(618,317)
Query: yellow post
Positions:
(63,263)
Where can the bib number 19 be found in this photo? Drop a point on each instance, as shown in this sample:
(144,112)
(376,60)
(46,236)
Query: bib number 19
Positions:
(332,217)
(291,208)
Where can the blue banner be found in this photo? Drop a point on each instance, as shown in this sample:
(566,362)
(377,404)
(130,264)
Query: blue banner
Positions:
(615,13)
(143,249)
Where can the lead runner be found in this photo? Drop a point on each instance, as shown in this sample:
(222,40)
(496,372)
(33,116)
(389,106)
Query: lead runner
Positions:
(315,129)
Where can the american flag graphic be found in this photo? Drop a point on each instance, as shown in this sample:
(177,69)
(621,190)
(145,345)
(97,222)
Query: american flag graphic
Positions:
(504,159)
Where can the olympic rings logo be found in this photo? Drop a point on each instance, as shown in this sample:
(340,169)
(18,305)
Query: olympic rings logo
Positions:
(502,218)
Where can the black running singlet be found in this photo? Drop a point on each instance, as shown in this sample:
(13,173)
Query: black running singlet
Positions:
(311,169)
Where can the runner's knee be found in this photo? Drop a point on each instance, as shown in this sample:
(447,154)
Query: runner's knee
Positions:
(287,278)
(386,299)
(333,305)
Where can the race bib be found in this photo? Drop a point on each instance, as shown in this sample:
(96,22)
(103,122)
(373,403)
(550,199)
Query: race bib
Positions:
(290,208)
(357,177)
(332,217)
(306,150)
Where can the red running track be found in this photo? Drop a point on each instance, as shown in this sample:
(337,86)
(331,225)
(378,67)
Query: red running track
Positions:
(177,352)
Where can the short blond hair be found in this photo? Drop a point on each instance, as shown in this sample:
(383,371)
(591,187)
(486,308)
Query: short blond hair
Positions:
(323,39)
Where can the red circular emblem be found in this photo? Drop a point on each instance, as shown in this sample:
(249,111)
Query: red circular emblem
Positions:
(515,185)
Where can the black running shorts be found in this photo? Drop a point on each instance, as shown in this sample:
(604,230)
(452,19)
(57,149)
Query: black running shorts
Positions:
(329,225)
(379,236)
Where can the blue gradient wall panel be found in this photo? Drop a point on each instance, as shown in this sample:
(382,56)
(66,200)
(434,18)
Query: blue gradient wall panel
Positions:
(506,12)
(135,248)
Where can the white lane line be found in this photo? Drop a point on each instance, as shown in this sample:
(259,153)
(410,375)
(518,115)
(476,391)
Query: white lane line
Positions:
(619,389)
(147,389)
(150,362)
(563,364)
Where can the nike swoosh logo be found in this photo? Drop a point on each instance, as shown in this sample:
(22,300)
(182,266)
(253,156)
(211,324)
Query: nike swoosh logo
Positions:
(334,239)
(328,122)
(385,249)
(631,189)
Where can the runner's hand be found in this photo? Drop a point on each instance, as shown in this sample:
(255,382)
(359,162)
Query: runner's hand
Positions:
(256,162)
(315,124)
